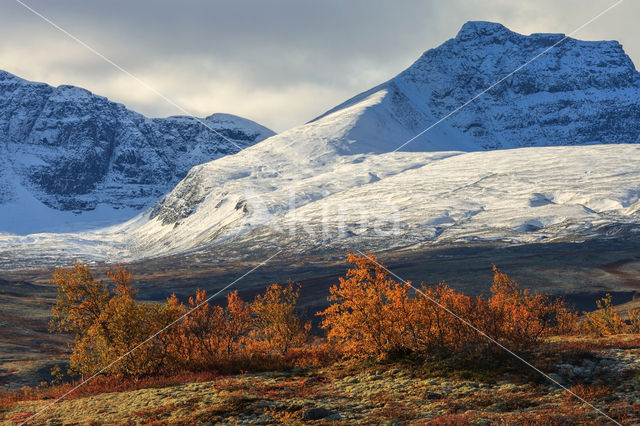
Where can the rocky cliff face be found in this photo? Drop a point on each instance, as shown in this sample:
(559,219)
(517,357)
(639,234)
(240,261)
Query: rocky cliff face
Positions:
(579,92)
(74,150)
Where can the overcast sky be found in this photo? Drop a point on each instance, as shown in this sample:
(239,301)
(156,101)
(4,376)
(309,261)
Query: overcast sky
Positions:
(279,62)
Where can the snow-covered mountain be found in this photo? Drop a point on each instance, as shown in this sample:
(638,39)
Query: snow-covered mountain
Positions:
(64,149)
(578,93)
(500,168)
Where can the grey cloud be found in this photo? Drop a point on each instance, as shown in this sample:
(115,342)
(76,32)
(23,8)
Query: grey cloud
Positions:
(280,62)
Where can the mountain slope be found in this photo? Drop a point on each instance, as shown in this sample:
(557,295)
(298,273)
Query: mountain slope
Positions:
(75,151)
(578,93)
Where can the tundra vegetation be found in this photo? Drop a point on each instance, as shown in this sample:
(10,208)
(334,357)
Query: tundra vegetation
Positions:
(373,322)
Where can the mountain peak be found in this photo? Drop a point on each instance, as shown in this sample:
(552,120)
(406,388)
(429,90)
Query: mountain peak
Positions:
(573,94)
(475,29)
(128,160)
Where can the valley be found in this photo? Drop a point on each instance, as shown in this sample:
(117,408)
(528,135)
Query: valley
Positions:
(580,272)
(537,175)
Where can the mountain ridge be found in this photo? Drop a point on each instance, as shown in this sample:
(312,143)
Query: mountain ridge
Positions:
(578,95)
(448,76)
(76,151)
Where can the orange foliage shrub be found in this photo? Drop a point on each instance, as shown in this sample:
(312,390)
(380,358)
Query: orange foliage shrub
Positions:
(370,315)
(81,299)
(634,321)
(520,318)
(277,328)
(605,320)
(210,335)
(108,323)
(240,335)
(318,353)
(437,326)
(373,316)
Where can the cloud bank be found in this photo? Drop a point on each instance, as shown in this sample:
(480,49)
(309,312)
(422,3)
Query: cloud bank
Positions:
(280,62)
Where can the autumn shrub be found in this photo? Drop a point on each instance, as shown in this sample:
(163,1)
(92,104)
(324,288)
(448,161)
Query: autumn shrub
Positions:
(276,326)
(606,321)
(634,321)
(316,354)
(107,322)
(81,299)
(109,325)
(373,316)
(603,321)
(240,335)
(369,316)
(210,335)
(520,318)
(129,325)
(437,326)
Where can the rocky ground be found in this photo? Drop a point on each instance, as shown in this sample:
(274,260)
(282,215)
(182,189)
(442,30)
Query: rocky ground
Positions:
(605,372)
